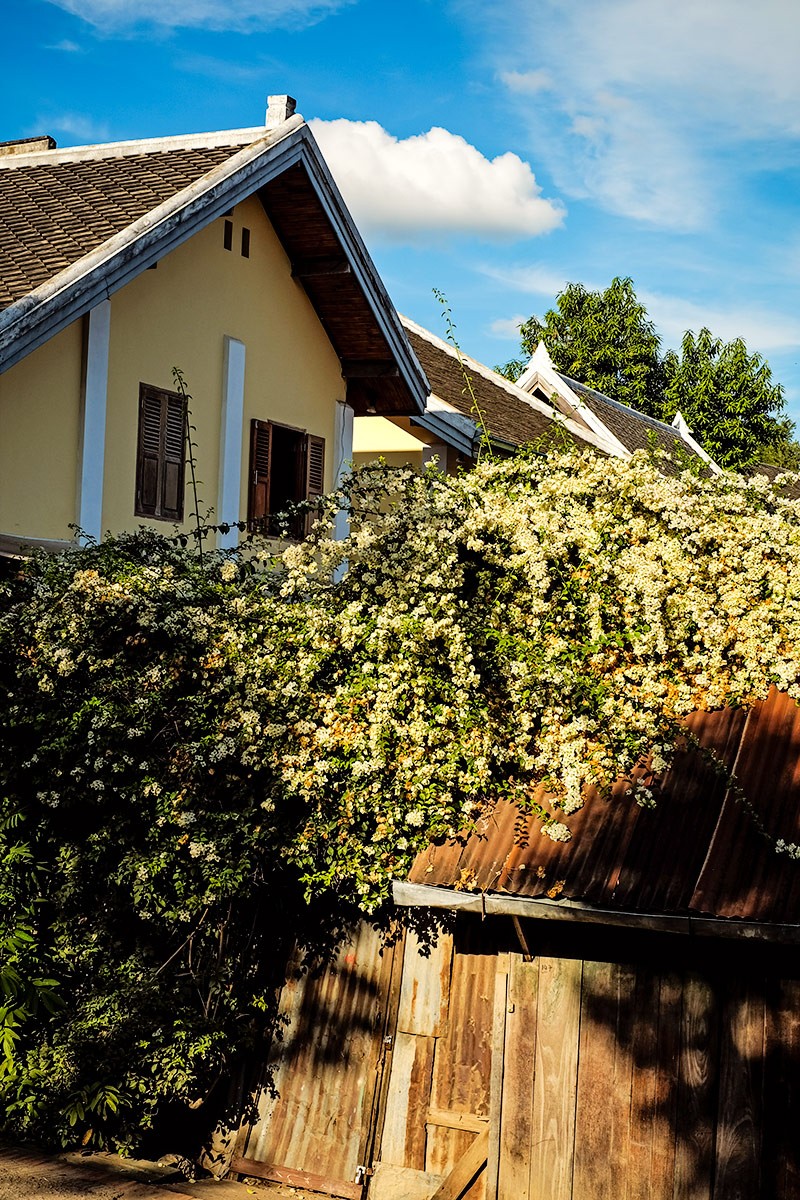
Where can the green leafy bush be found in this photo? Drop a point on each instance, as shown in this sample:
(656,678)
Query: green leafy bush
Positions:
(195,755)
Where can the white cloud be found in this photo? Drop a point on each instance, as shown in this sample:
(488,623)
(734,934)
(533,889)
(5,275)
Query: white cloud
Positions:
(656,105)
(532,280)
(243,16)
(66,46)
(435,182)
(74,127)
(528,83)
(762,330)
(507,328)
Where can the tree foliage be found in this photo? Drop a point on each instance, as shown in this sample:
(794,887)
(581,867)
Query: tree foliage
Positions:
(606,339)
(603,339)
(194,756)
(727,397)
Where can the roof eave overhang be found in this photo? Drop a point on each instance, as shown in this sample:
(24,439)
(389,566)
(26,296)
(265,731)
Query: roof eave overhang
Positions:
(420,895)
(37,317)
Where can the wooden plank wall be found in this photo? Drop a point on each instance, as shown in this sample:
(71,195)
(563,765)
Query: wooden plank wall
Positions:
(650,1086)
(438,1098)
(606,1079)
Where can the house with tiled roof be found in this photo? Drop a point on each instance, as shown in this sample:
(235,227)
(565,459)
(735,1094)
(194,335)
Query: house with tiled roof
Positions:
(469,406)
(230,256)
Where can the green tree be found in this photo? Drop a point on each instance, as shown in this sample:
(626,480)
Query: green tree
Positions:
(603,339)
(728,398)
(606,340)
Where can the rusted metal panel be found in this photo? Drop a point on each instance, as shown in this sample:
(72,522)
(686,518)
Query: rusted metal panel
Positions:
(325,1066)
(425,990)
(698,851)
(404,1138)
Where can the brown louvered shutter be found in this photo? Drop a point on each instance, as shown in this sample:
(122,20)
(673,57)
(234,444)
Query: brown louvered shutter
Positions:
(173,458)
(260,458)
(148,452)
(161,455)
(315,472)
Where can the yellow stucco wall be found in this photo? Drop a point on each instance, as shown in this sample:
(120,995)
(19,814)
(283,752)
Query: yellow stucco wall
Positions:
(178,315)
(40,401)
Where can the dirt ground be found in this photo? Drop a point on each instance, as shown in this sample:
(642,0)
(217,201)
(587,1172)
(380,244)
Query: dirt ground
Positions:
(28,1174)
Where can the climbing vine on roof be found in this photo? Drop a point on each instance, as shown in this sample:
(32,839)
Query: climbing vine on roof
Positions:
(187,745)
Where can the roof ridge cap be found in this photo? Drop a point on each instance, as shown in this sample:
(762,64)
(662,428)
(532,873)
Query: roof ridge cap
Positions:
(100,151)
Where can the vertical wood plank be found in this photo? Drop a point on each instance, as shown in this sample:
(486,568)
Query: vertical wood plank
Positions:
(496,1078)
(555,1079)
(740,1110)
(781,1150)
(593,1173)
(518,1079)
(425,990)
(697,1091)
(659,1116)
(404,1140)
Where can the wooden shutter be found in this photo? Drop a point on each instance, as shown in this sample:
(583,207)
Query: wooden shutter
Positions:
(161,454)
(174,457)
(148,452)
(315,473)
(260,459)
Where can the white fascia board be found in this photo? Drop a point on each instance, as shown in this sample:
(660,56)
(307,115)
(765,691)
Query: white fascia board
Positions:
(365,272)
(548,379)
(38,316)
(448,425)
(679,423)
(596,435)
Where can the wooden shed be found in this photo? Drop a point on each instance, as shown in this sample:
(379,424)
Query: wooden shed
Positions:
(617,1016)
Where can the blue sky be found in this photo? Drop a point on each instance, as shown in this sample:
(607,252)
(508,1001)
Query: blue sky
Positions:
(491,150)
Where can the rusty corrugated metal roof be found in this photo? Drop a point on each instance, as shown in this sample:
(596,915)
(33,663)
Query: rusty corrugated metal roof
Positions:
(698,851)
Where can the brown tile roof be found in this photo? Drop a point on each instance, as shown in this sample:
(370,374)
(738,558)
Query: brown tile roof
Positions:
(635,430)
(507,417)
(698,852)
(52,214)
(789,487)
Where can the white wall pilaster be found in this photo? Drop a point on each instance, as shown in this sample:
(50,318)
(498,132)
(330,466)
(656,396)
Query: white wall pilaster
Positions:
(89,509)
(342,458)
(231,440)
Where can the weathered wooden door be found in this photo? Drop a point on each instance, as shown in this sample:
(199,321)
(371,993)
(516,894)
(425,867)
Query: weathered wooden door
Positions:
(317,1110)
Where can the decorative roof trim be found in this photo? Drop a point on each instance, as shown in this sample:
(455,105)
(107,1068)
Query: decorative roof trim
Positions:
(541,371)
(679,423)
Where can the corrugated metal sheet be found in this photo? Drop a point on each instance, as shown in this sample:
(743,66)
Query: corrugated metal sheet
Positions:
(697,851)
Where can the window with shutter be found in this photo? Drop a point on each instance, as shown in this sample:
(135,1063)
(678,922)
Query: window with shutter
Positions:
(286,466)
(161,457)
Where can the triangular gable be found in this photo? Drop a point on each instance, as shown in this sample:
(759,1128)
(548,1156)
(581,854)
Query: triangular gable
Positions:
(285,168)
